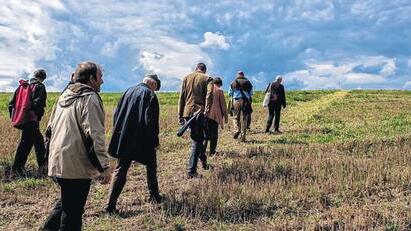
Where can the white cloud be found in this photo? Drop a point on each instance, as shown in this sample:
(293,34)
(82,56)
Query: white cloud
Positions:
(215,40)
(26,32)
(363,78)
(323,75)
(171,59)
(407,85)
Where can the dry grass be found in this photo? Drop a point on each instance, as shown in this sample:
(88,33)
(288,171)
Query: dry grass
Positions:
(343,163)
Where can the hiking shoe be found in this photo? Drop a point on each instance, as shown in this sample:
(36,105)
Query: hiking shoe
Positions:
(278,132)
(207,166)
(193,175)
(236,135)
(42,171)
(112,212)
(18,172)
(157,199)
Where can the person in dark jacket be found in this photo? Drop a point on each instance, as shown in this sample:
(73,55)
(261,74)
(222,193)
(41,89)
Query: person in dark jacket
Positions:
(31,134)
(241,91)
(135,137)
(277,100)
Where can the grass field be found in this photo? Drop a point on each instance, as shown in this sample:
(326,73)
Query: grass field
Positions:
(342,163)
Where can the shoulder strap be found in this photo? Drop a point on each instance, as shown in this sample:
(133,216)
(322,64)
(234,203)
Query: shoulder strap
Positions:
(268,88)
(88,143)
(242,92)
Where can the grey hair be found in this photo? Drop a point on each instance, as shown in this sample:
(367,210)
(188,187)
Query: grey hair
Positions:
(149,80)
(278,77)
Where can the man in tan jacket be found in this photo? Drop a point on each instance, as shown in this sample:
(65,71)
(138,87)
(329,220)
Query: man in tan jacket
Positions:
(77,151)
(195,100)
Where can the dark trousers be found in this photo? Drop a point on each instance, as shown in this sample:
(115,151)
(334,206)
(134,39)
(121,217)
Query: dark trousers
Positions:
(30,136)
(197,144)
(67,213)
(274,112)
(249,121)
(120,178)
(213,136)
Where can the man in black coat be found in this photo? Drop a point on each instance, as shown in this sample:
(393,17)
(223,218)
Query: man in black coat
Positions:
(277,100)
(135,137)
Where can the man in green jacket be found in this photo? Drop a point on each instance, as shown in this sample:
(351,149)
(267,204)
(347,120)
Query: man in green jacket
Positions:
(195,100)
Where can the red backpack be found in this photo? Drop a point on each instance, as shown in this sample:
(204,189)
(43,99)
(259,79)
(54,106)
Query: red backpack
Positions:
(22,112)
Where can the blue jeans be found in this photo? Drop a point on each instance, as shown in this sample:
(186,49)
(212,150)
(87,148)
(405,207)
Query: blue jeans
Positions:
(197,144)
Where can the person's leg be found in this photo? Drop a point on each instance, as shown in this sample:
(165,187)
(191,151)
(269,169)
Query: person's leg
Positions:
(197,146)
(152,182)
(213,136)
(237,117)
(52,222)
(74,194)
(39,147)
(277,118)
(249,121)
(270,117)
(244,120)
(24,147)
(206,145)
(117,183)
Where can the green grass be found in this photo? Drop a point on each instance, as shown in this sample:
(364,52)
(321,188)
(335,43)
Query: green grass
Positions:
(341,163)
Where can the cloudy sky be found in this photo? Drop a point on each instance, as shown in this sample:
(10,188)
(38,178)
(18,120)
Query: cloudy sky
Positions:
(315,44)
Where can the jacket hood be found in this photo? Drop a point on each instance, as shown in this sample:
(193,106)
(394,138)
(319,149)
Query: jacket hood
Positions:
(73,92)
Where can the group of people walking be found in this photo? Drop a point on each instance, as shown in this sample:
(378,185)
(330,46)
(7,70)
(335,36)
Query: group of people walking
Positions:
(75,151)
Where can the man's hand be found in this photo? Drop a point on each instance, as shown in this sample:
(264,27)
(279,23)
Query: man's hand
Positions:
(157,147)
(181,121)
(106,176)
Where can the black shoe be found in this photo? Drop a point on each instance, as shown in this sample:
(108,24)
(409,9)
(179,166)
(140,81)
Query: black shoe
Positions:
(278,132)
(42,171)
(236,135)
(157,199)
(18,172)
(207,166)
(112,212)
(193,175)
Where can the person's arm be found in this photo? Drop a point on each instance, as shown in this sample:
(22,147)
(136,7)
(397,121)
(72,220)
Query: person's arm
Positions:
(182,101)
(12,103)
(230,91)
(283,96)
(92,121)
(209,96)
(223,105)
(39,100)
(251,90)
(152,119)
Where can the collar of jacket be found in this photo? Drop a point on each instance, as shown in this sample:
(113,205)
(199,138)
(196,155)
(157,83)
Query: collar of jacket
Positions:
(33,81)
(80,88)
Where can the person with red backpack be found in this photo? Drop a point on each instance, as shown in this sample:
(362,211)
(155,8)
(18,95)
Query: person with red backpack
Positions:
(26,109)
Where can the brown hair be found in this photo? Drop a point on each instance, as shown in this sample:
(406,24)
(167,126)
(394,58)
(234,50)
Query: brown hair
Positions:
(201,67)
(85,71)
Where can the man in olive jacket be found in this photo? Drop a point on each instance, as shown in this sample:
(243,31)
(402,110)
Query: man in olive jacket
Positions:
(135,137)
(195,99)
